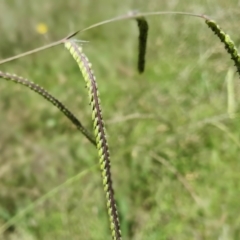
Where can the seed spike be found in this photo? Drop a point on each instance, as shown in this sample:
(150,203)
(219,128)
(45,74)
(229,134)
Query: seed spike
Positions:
(228,43)
(142,42)
(41,91)
(100,135)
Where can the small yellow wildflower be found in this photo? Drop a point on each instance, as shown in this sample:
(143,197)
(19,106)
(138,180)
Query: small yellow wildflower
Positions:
(191,176)
(41,28)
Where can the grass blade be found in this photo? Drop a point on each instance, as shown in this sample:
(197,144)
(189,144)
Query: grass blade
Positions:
(231,94)
(42,199)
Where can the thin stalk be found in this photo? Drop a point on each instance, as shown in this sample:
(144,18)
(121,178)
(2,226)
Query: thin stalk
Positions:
(41,91)
(100,134)
(130,15)
(53,44)
(134,15)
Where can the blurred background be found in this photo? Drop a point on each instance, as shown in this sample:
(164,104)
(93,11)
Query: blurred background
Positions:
(173,131)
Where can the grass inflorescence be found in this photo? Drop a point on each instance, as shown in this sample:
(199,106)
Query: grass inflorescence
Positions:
(100,134)
(229,44)
(142,42)
(44,93)
(145,173)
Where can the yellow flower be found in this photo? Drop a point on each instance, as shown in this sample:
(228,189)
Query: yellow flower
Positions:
(191,176)
(41,28)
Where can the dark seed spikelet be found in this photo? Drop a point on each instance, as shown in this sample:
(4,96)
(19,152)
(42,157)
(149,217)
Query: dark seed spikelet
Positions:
(229,44)
(142,42)
(100,134)
(41,91)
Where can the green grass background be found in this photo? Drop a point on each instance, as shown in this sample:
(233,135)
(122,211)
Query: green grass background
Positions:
(181,114)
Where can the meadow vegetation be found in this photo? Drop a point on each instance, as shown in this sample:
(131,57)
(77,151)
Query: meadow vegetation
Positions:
(173,131)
